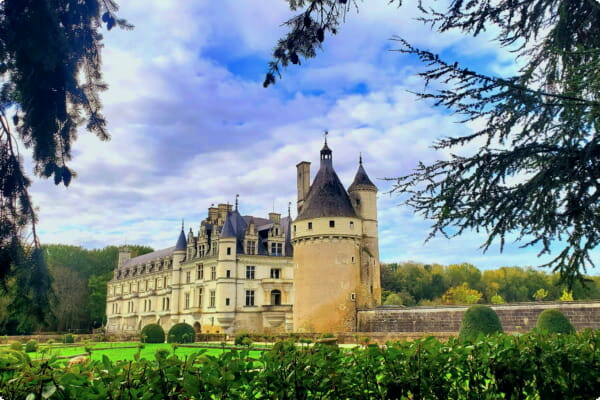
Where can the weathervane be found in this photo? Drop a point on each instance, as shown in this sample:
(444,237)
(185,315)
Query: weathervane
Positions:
(236,201)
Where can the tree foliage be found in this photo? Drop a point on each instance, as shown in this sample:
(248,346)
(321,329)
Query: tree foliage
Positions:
(535,178)
(50,82)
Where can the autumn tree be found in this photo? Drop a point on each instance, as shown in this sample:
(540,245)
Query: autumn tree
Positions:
(50,80)
(462,294)
(535,177)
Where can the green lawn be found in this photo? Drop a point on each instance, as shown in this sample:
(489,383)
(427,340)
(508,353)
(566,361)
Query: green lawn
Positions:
(115,353)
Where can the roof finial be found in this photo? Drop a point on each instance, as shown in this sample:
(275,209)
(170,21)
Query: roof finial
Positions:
(360,158)
(289,208)
(182,224)
(236,201)
(325,135)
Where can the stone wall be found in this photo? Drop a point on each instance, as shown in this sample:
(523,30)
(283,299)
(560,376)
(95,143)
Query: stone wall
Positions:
(515,317)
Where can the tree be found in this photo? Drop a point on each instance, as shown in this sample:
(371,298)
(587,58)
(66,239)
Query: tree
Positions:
(540,294)
(535,178)
(462,294)
(50,80)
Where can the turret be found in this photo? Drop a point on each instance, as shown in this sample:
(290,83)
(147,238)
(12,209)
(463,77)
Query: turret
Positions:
(363,194)
(180,249)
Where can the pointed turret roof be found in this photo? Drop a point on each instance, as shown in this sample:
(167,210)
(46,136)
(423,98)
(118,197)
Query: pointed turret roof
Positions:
(327,196)
(234,226)
(182,241)
(361,180)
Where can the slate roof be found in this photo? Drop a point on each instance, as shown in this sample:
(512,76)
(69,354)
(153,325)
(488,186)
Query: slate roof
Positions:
(235,225)
(181,242)
(326,197)
(148,257)
(361,180)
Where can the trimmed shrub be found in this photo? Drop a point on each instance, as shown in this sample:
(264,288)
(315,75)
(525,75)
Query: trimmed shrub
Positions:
(69,338)
(479,319)
(152,333)
(17,346)
(243,339)
(553,321)
(31,346)
(181,333)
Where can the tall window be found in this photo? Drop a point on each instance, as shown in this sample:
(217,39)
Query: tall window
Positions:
(214,248)
(213,273)
(188,277)
(275,273)
(212,299)
(229,251)
(249,298)
(186,302)
(310,225)
(200,296)
(251,247)
(276,297)
(149,305)
(332,224)
(250,271)
(200,271)
(146,284)
(164,281)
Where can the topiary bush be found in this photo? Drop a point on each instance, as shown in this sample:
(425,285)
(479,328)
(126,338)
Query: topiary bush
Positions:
(31,346)
(68,338)
(553,321)
(181,333)
(17,346)
(479,319)
(243,339)
(152,333)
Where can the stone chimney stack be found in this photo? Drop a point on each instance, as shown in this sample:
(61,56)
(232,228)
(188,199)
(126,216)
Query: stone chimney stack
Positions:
(303,170)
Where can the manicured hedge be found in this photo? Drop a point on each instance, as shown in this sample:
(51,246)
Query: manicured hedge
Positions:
(152,333)
(531,366)
(479,319)
(181,333)
(553,321)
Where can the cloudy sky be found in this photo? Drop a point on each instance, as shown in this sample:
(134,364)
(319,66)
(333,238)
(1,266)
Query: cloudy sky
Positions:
(192,125)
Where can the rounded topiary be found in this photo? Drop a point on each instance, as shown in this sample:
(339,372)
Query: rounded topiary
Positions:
(242,339)
(152,333)
(31,346)
(479,319)
(17,346)
(69,338)
(553,321)
(181,333)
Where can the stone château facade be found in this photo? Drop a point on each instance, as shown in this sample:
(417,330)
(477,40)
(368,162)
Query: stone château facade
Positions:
(261,274)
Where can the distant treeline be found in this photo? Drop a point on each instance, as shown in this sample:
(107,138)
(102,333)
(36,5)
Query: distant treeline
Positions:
(79,279)
(411,283)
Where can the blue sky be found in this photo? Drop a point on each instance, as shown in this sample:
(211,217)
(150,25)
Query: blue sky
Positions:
(192,125)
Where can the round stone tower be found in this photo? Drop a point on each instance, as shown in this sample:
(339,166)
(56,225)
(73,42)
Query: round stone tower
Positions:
(363,194)
(327,237)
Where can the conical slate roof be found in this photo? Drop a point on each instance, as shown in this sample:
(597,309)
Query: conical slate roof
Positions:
(361,180)
(234,226)
(327,196)
(181,242)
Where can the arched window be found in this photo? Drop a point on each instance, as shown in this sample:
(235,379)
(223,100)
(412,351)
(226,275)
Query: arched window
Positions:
(276,297)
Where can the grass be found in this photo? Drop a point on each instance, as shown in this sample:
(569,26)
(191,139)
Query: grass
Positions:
(115,352)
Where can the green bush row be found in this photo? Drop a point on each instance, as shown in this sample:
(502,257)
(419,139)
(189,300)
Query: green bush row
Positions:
(532,366)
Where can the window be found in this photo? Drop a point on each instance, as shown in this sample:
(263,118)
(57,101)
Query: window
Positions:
(250,270)
(276,297)
(200,296)
(164,281)
(352,259)
(227,301)
(214,248)
(251,247)
(249,298)
(332,224)
(155,283)
(276,231)
(129,287)
(275,273)
(276,249)
(310,225)
(138,286)
(146,284)
(229,251)
(188,277)
(149,305)
(212,299)
(186,302)
(200,271)
(351,224)
(358,202)
(228,273)
(294,228)
(213,273)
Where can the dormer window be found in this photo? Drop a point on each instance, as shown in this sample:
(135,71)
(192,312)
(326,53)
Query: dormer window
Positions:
(332,224)
(310,225)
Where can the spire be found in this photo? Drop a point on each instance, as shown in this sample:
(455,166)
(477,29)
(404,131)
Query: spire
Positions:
(326,153)
(361,179)
(181,242)
(237,196)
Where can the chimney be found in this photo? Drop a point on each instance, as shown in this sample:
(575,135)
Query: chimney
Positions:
(124,255)
(275,218)
(213,212)
(303,170)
